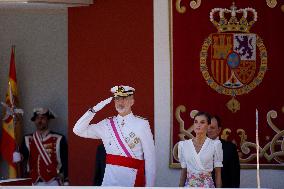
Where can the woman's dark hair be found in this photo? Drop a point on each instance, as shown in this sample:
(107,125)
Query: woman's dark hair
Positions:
(207,115)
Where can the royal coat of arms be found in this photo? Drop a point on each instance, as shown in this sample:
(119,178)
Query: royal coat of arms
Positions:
(228,58)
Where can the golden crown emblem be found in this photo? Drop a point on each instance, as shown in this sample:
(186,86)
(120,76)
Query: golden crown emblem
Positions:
(240,20)
(120,89)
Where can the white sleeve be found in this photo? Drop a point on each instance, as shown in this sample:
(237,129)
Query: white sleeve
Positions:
(83,128)
(149,154)
(180,155)
(218,154)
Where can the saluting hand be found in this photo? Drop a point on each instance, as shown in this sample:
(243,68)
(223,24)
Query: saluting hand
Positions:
(102,104)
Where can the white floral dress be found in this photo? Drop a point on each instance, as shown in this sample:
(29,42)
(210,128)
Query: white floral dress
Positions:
(200,165)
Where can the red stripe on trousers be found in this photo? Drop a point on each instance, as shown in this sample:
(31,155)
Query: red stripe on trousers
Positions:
(131,163)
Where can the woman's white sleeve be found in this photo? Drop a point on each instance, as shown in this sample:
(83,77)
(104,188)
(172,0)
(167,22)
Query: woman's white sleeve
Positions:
(218,154)
(180,155)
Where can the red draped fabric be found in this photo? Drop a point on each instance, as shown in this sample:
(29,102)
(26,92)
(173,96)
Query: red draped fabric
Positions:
(229,74)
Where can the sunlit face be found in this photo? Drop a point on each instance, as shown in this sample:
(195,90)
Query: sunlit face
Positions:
(41,122)
(200,125)
(123,104)
(213,129)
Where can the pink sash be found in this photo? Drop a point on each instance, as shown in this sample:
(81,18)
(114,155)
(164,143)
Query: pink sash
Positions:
(128,154)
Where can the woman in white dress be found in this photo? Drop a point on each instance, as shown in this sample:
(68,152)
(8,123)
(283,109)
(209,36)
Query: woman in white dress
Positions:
(198,156)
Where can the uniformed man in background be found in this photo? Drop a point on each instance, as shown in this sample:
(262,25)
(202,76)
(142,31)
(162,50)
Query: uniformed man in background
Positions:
(230,171)
(44,153)
(127,139)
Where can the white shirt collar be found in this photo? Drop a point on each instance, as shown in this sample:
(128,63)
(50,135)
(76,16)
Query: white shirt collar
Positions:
(44,134)
(124,118)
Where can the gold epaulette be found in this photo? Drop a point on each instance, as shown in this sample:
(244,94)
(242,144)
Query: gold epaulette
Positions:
(140,117)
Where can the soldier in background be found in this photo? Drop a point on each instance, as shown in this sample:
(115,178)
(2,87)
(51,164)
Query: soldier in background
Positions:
(44,153)
(100,165)
(230,171)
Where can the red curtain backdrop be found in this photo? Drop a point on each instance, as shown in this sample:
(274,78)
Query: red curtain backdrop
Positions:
(190,90)
(110,43)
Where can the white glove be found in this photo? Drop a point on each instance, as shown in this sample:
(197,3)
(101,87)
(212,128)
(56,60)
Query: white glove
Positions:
(102,104)
(16,157)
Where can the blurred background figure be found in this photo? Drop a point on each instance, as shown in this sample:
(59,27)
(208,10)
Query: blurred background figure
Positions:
(231,166)
(44,152)
(100,165)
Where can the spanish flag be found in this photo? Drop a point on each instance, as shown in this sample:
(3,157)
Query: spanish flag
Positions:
(11,129)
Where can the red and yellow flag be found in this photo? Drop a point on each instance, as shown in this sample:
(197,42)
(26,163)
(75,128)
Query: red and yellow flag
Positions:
(10,128)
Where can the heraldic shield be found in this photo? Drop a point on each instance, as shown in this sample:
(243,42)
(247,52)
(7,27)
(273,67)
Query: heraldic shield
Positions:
(228,58)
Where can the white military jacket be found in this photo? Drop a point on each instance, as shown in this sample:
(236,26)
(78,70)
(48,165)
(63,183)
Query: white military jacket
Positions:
(136,133)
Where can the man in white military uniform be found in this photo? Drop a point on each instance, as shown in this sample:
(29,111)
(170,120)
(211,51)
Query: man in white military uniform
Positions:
(127,139)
